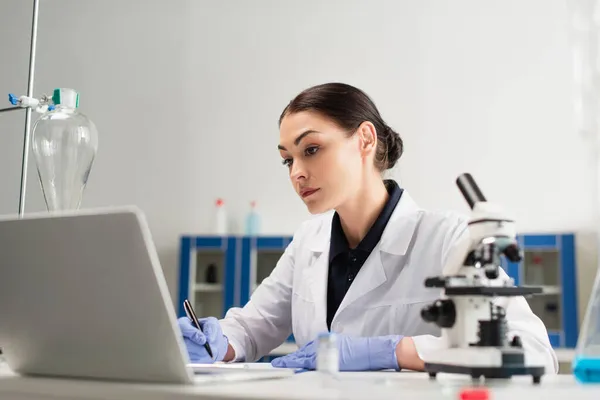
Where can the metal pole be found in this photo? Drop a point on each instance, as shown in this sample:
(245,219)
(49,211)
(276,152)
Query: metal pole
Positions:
(27,135)
(10,109)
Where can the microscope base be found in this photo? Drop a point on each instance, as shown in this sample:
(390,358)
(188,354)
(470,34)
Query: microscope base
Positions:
(487,362)
(491,372)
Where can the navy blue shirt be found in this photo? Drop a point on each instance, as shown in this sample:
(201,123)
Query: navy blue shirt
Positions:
(344,262)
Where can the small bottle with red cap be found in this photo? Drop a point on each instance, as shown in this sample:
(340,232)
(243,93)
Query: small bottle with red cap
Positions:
(220,218)
(536,275)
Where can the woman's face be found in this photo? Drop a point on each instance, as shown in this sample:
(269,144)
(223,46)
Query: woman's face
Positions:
(325,164)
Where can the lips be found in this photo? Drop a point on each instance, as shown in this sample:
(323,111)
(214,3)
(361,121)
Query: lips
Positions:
(307,192)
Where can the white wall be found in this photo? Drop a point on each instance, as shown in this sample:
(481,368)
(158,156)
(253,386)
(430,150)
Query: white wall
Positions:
(186,97)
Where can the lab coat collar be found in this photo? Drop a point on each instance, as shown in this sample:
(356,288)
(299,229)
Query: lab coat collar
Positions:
(399,231)
(395,240)
(396,236)
(320,241)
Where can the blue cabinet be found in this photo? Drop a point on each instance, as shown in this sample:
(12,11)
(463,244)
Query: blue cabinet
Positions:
(260,256)
(549,261)
(242,262)
(210,293)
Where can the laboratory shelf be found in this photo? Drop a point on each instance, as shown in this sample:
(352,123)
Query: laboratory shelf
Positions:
(208,287)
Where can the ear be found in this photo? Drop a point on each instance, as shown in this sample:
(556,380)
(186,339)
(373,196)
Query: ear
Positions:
(367,138)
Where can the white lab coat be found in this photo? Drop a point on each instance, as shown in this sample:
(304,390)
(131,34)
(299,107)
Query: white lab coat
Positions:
(385,298)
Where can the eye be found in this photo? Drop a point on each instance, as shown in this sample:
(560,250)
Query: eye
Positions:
(287,162)
(312,150)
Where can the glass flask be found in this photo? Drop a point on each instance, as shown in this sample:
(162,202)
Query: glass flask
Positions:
(64,143)
(585,41)
(586,365)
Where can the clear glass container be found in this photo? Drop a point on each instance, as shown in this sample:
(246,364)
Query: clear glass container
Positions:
(328,359)
(586,365)
(64,143)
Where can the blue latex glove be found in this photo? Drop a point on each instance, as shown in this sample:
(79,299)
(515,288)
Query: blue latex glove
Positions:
(355,353)
(194,339)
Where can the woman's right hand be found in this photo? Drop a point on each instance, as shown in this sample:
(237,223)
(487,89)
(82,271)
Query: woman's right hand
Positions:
(195,339)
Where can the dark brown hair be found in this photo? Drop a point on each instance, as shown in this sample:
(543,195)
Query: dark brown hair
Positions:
(349,107)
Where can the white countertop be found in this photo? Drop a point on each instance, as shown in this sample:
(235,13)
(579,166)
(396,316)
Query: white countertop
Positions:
(563,354)
(308,385)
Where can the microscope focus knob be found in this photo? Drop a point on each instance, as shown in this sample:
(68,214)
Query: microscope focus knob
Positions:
(491,271)
(513,253)
(442,313)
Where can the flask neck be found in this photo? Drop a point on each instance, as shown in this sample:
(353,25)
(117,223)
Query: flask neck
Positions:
(65,109)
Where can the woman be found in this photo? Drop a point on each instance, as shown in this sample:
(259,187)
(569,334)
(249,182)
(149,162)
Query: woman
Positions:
(358,271)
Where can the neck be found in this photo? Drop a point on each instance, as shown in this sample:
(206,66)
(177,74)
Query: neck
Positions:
(358,214)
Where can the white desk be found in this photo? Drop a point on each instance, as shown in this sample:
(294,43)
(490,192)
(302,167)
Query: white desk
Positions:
(351,386)
(563,355)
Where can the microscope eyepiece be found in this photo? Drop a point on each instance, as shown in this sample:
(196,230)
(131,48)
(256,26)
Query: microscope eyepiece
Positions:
(469,189)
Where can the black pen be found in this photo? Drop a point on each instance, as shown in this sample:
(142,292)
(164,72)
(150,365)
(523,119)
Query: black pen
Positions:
(189,310)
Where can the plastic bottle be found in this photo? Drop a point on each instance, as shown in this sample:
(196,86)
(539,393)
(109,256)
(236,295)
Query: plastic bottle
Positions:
(220,218)
(328,358)
(586,365)
(536,271)
(252,221)
(64,144)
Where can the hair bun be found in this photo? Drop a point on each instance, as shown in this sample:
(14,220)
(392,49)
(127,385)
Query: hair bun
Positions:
(394,147)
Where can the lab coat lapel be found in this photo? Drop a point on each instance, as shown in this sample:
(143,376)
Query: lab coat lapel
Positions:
(394,242)
(316,273)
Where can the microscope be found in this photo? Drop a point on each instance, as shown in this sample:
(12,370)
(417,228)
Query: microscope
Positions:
(472,321)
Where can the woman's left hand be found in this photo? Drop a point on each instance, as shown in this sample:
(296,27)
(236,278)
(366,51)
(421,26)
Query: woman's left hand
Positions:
(355,354)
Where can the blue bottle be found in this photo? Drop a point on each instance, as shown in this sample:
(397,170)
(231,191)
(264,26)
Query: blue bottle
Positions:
(252,221)
(587,369)
(586,365)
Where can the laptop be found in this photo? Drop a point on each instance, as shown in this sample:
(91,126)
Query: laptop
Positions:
(83,295)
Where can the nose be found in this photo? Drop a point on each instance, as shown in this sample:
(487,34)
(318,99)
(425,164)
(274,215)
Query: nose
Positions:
(297,171)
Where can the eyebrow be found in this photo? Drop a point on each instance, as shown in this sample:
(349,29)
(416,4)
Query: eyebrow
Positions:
(299,138)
